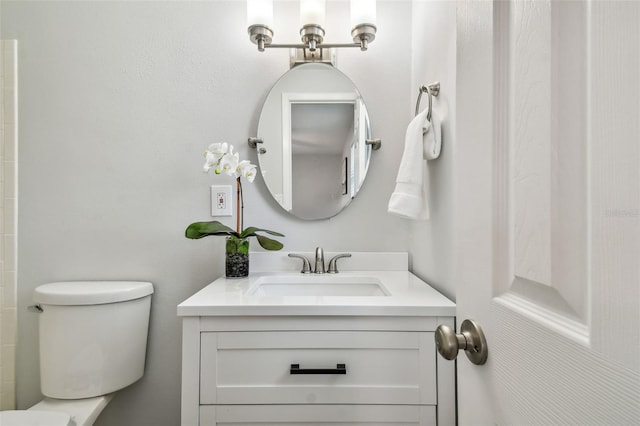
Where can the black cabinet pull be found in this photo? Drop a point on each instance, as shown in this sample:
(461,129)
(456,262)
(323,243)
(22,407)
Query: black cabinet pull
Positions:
(340,369)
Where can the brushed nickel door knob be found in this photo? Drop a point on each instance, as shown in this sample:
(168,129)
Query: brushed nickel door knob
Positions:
(471,339)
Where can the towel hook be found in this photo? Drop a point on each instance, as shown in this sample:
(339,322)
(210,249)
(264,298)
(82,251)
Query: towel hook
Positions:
(432,89)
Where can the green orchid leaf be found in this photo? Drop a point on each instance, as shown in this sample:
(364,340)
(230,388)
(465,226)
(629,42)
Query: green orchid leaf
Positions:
(269,244)
(202,229)
(199,230)
(251,231)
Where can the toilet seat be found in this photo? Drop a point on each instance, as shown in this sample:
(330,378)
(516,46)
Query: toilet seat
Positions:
(34,418)
(58,412)
(83,412)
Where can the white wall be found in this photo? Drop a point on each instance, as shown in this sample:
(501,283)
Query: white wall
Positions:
(118,101)
(434,59)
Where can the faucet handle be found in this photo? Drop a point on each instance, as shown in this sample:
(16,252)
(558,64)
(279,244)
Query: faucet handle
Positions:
(333,263)
(306,265)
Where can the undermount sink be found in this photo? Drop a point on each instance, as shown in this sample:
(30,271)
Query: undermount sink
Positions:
(318,285)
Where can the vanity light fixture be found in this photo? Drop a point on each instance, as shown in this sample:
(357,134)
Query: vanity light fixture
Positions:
(312,19)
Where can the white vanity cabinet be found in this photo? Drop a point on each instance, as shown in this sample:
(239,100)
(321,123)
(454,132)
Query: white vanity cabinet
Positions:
(303,370)
(254,358)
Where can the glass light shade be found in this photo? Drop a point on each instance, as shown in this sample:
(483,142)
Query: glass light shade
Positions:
(312,12)
(363,12)
(260,12)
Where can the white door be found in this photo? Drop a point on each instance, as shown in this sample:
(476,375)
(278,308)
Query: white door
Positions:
(548,210)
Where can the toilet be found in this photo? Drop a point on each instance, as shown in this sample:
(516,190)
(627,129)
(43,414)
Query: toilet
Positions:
(93,342)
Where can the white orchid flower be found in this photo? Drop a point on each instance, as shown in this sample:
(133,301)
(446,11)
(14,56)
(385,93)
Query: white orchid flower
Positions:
(220,157)
(229,164)
(210,162)
(246,170)
(213,155)
(217,150)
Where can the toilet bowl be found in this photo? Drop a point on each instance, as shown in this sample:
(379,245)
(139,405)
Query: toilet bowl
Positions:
(93,340)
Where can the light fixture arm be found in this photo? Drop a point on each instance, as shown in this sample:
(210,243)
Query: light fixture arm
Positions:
(316,46)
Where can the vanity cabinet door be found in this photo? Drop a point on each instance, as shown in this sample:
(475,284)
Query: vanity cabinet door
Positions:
(318,415)
(379,368)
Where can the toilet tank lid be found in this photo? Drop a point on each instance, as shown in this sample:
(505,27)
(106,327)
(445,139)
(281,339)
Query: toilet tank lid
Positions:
(34,418)
(90,292)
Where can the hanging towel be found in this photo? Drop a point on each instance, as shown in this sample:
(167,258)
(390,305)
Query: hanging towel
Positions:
(432,138)
(422,142)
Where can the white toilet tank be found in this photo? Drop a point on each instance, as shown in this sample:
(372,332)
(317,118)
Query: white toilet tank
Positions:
(93,336)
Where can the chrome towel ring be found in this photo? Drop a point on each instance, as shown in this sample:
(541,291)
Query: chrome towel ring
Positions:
(432,89)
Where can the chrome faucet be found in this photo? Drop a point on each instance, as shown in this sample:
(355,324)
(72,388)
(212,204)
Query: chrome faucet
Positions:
(319,261)
(319,267)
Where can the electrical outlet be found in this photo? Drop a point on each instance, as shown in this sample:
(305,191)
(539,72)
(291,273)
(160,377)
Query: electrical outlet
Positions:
(221,203)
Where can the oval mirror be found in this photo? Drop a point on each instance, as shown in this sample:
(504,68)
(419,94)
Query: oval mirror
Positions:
(314,127)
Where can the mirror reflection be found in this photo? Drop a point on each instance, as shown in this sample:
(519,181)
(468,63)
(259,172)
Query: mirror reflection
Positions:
(314,126)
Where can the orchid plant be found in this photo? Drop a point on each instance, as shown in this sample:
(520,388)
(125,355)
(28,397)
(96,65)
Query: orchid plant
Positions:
(222,160)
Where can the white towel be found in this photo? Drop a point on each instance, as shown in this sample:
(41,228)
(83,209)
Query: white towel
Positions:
(410,199)
(432,138)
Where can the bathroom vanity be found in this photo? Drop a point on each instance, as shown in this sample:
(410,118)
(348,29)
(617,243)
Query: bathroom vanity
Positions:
(281,347)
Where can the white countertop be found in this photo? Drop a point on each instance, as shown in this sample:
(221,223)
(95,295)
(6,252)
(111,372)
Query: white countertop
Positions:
(408,295)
